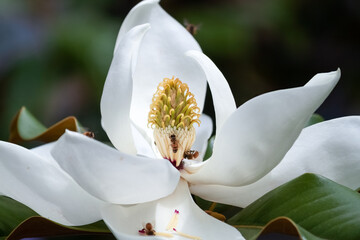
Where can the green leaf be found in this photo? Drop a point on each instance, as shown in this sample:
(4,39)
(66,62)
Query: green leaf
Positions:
(18,221)
(25,127)
(42,227)
(315,204)
(249,232)
(304,234)
(281,226)
(12,213)
(315,118)
(28,126)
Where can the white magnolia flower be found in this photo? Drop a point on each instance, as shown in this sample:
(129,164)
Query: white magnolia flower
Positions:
(143,182)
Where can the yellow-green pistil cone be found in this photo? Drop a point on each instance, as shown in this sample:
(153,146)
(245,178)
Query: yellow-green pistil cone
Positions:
(173,112)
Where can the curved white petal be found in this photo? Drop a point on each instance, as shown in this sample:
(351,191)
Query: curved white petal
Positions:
(138,15)
(126,221)
(44,151)
(203,133)
(41,185)
(111,175)
(161,56)
(330,149)
(224,102)
(258,134)
(142,143)
(117,93)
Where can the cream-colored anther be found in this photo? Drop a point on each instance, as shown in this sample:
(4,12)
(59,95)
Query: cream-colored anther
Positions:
(172,142)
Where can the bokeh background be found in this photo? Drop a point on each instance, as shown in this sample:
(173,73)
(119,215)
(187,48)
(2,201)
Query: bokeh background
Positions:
(54,55)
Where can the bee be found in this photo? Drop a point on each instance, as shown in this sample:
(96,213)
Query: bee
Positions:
(149,231)
(174,143)
(89,134)
(192,28)
(191,154)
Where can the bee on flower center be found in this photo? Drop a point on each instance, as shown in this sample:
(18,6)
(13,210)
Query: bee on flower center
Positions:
(191,154)
(149,231)
(174,143)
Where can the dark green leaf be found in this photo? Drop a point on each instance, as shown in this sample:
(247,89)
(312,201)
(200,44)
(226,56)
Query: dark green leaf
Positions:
(316,204)
(12,213)
(304,234)
(281,226)
(18,221)
(42,227)
(249,232)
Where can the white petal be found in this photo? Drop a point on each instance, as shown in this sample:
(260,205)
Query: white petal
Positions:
(44,151)
(161,56)
(259,133)
(223,99)
(203,134)
(330,149)
(111,175)
(138,15)
(126,221)
(117,93)
(142,143)
(41,185)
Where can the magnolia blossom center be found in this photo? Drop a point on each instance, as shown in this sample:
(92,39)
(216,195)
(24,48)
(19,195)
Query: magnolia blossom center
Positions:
(173,112)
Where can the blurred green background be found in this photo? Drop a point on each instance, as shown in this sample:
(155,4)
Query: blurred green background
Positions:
(54,55)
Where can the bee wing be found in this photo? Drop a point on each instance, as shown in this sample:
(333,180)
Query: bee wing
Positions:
(186,22)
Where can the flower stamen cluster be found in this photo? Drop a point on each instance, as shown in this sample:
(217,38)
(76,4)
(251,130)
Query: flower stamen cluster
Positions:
(173,105)
(173,112)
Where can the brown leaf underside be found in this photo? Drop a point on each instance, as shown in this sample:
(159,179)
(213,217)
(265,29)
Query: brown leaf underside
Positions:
(50,135)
